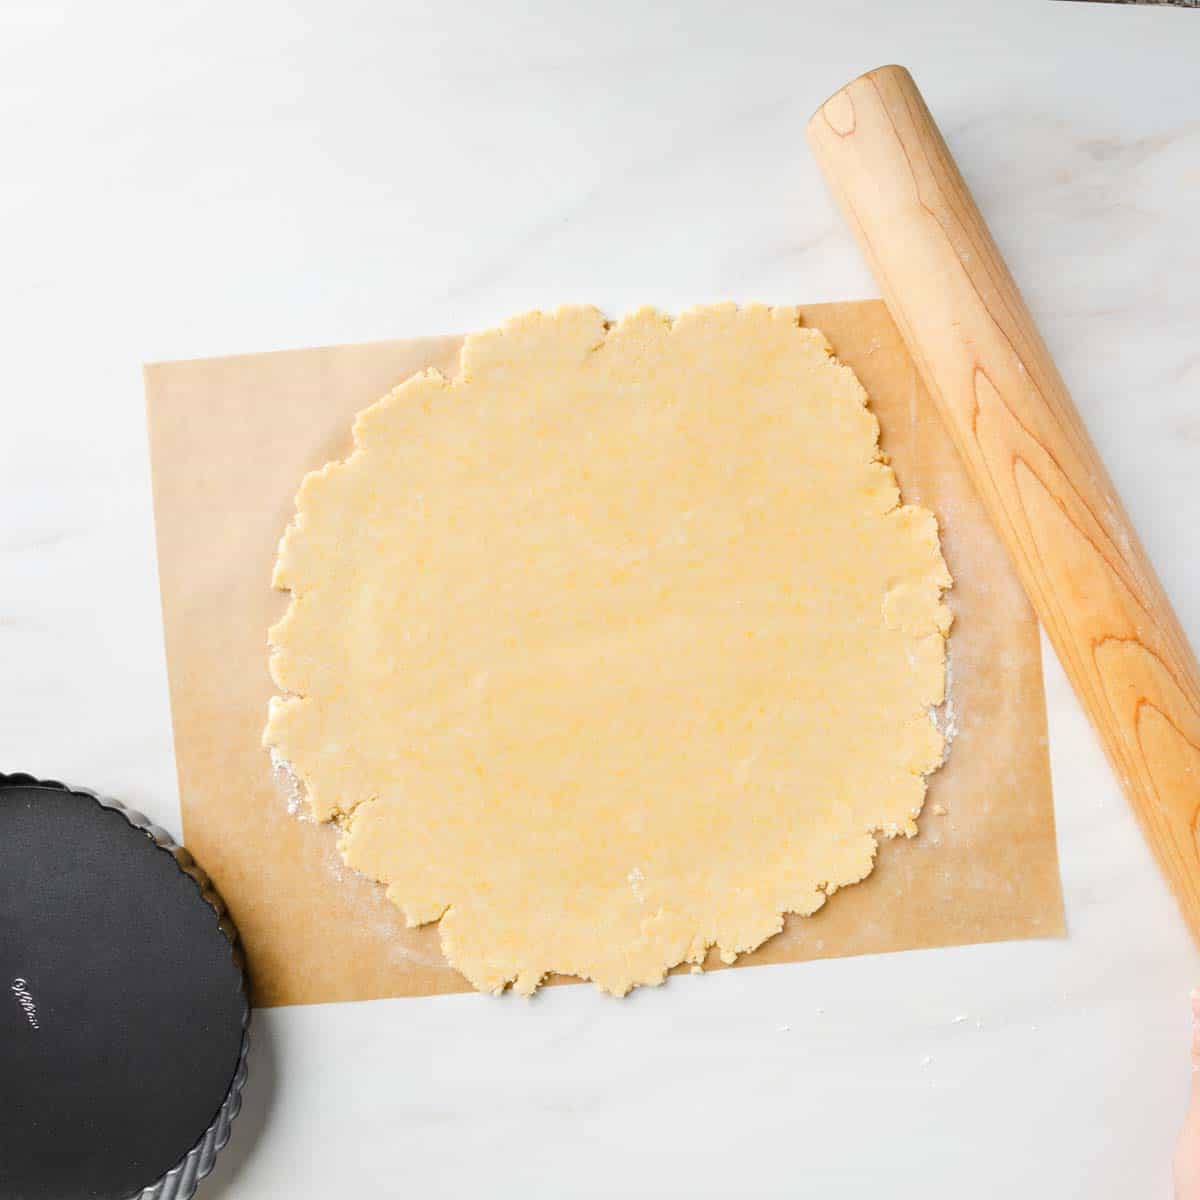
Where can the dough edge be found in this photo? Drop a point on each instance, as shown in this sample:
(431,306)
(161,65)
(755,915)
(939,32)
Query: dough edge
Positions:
(692,947)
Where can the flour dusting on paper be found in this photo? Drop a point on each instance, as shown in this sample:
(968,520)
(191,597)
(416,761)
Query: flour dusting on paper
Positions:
(945,715)
(289,785)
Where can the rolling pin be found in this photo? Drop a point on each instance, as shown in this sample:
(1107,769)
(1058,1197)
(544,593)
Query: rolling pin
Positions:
(1026,450)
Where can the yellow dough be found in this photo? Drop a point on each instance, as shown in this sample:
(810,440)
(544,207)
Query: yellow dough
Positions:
(616,646)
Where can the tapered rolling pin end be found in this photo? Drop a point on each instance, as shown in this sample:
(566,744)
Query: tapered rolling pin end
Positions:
(838,111)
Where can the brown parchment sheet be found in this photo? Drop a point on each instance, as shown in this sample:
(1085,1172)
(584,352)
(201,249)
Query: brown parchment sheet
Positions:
(230,441)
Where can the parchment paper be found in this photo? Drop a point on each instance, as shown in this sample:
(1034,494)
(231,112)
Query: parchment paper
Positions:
(230,440)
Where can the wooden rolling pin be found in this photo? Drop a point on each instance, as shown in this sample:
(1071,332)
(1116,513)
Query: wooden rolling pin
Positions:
(1026,450)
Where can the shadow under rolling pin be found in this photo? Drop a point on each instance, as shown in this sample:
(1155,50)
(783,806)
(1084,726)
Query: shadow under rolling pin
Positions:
(1026,450)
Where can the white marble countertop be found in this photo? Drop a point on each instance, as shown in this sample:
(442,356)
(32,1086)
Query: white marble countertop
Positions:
(180,180)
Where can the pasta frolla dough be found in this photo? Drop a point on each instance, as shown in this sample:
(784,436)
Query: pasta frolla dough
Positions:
(617,646)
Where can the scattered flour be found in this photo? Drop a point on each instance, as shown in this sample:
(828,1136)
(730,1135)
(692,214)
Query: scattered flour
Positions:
(945,715)
(384,915)
(292,788)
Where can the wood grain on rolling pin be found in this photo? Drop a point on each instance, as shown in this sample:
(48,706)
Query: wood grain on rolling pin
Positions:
(1027,451)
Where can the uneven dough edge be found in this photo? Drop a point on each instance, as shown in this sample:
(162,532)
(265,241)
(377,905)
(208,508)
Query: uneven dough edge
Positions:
(911,606)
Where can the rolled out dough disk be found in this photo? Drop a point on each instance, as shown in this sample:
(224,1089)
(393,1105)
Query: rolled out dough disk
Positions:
(616,646)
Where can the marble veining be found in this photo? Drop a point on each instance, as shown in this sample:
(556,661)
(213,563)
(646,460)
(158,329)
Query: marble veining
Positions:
(187,181)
